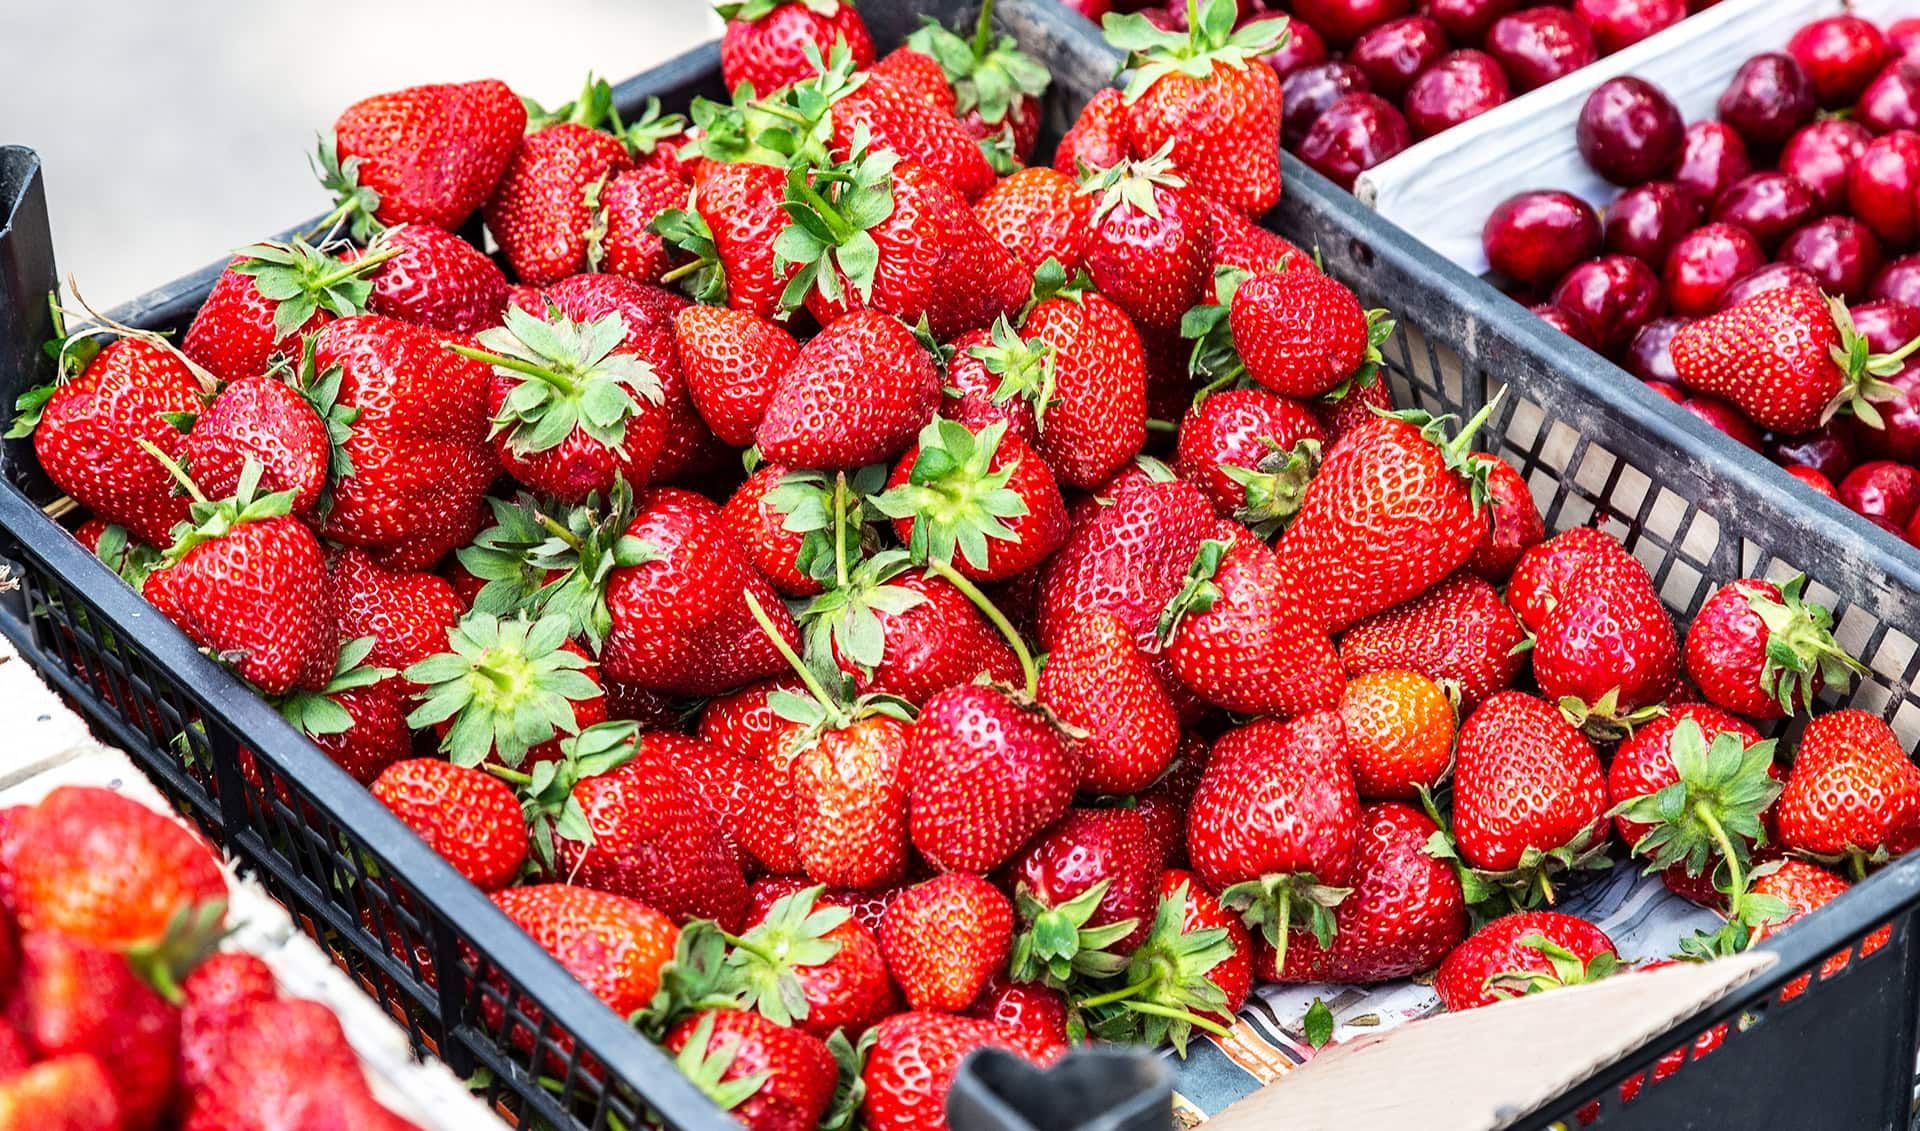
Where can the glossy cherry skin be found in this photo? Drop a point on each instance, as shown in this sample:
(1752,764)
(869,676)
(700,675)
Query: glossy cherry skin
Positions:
(1646,221)
(1822,156)
(1882,188)
(1768,99)
(1536,237)
(1828,449)
(1840,55)
(1340,22)
(1712,157)
(1705,263)
(1395,53)
(1839,251)
(1458,88)
(1566,322)
(1614,295)
(1668,390)
(1650,355)
(1813,479)
(1898,280)
(1892,100)
(1623,23)
(1630,131)
(1725,417)
(1903,39)
(1887,326)
(1467,21)
(1772,277)
(1884,490)
(1303,48)
(1352,136)
(1306,93)
(1769,205)
(1539,45)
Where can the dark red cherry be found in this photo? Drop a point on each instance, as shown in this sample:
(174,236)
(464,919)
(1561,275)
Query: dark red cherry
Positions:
(1647,221)
(1725,417)
(1885,324)
(1899,280)
(1840,55)
(1306,93)
(1772,277)
(1536,237)
(1355,134)
(1839,251)
(1614,295)
(1768,100)
(1539,45)
(1882,188)
(1623,23)
(1458,88)
(1814,480)
(1712,157)
(1884,490)
(1822,156)
(1650,355)
(1630,131)
(1769,205)
(1568,323)
(1892,100)
(1828,449)
(1903,39)
(1303,48)
(1705,263)
(1340,22)
(1668,390)
(1467,21)
(1395,53)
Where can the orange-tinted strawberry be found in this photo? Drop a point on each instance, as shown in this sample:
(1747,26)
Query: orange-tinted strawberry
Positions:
(978,500)
(438,280)
(996,86)
(1606,653)
(914,1058)
(271,297)
(1459,634)
(75,998)
(468,816)
(1400,731)
(1148,245)
(766,41)
(1761,650)
(768,1077)
(622,240)
(429,154)
(542,209)
(1097,680)
(282,428)
(857,393)
(1038,214)
(1516,526)
(1521,954)
(815,967)
(1129,560)
(733,362)
(1098,137)
(945,938)
(1727,779)
(1252,453)
(1852,791)
(985,771)
(615,946)
(1301,333)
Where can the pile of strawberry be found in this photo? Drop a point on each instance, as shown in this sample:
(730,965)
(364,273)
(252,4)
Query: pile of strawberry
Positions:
(118,1013)
(1083,642)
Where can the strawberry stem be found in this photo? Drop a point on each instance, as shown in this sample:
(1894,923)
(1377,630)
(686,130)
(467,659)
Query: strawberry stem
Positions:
(1736,878)
(511,777)
(173,468)
(514,364)
(1121,994)
(953,577)
(807,678)
(983,30)
(358,268)
(682,271)
(840,529)
(1193,1019)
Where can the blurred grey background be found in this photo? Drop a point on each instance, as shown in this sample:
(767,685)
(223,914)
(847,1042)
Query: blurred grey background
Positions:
(176,130)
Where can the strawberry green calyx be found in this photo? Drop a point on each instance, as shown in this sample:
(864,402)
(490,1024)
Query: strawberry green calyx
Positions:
(1567,970)
(644,136)
(1604,720)
(1057,948)
(546,789)
(706,1064)
(793,934)
(210,519)
(72,351)
(1210,40)
(578,556)
(593,109)
(843,623)
(302,280)
(1709,817)
(354,203)
(1271,904)
(1528,885)
(1132,183)
(506,686)
(850,1091)
(1380,327)
(1864,373)
(1215,360)
(956,500)
(1457,450)
(131,560)
(695,978)
(321,390)
(193,934)
(575,377)
(746,11)
(1168,991)
(822,709)
(317,712)
(1026,368)
(499,557)
(835,516)
(1275,486)
(1198,593)
(1802,654)
(702,277)
(1748,913)
(988,73)
(791,126)
(830,209)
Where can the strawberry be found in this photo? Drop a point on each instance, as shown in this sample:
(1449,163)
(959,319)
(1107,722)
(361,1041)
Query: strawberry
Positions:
(613,945)
(767,1077)
(374,733)
(1097,680)
(406,615)
(1606,652)
(979,500)
(729,233)
(1691,789)
(1516,524)
(1788,893)
(857,393)
(766,41)
(271,297)
(1085,892)
(733,362)
(985,771)
(1164,804)
(1098,138)
(437,280)
(1360,402)
(996,86)
(850,798)
(542,210)
(1517,838)
(215,996)
(945,938)
(814,967)
(1036,1010)
(1460,634)
(288,428)
(1852,792)
(1274,826)
(248,583)
(895,116)
(1400,732)
(1523,954)
(1198,957)
(869,908)
(1038,214)
(904,632)
(418,447)
(469,817)
(505,690)
(1395,508)
(914,1058)
(621,240)
(66,1093)
(757,515)
(1240,243)
(1148,244)
(87,429)
(1760,650)
(125,555)
(73,998)
(1405,914)
(427,154)
(1543,577)
(754,811)
(1301,333)
(1238,639)
(920,73)
(1205,97)
(1789,360)
(288,1060)
(1130,560)
(1252,453)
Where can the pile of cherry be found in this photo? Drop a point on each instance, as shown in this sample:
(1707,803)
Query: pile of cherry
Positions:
(1806,178)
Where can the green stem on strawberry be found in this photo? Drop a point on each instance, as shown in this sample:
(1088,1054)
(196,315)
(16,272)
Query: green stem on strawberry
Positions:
(173,468)
(762,953)
(983,30)
(559,530)
(1462,443)
(807,678)
(1121,994)
(829,215)
(1857,866)
(358,268)
(786,113)
(1028,668)
(840,529)
(514,364)
(333,219)
(1156,425)
(1736,876)
(682,271)
(1193,1019)
(1224,381)
(511,777)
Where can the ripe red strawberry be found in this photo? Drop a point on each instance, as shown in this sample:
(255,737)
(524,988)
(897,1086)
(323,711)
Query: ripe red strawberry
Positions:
(1038,1011)
(542,209)
(1097,680)
(622,240)
(428,154)
(733,362)
(914,1058)
(437,280)
(996,86)
(1400,733)
(1205,97)
(905,632)
(1129,560)
(945,938)
(285,429)
(1274,826)
(1238,639)
(729,232)
(1522,954)
(469,817)
(766,41)
(869,908)
(815,967)
(1803,887)
(1252,453)
(1516,526)
(269,299)
(849,782)
(1302,333)
(249,583)
(1520,836)
(1689,786)
(1340,412)
(857,393)
(757,515)
(1543,576)
(1789,360)
(87,431)
(1606,653)
(1239,242)
(406,615)
(504,691)
(754,811)
(1852,792)
(1164,804)
(214,997)
(287,1060)
(985,771)
(1085,890)
(613,945)
(1038,214)
(978,500)
(895,116)
(919,72)
(66,1093)
(1098,137)
(1760,650)
(1148,246)
(744,721)
(768,1077)
(1395,508)
(375,734)
(1458,634)
(419,446)
(1405,914)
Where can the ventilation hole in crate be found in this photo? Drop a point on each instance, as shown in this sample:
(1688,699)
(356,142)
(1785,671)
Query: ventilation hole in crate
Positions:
(1700,540)
(1681,585)
(1523,428)
(1855,629)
